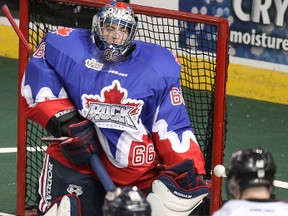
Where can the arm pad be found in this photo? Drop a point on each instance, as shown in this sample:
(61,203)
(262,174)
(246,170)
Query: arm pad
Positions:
(80,144)
(58,125)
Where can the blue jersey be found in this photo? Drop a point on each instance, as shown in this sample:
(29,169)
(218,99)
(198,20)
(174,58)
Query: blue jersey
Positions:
(136,105)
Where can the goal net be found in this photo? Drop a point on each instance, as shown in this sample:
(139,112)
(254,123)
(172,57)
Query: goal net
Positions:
(199,41)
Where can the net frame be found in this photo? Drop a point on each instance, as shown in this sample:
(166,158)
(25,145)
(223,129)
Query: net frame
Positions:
(219,117)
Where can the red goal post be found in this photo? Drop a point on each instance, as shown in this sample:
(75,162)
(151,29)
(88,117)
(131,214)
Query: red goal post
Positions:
(199,41)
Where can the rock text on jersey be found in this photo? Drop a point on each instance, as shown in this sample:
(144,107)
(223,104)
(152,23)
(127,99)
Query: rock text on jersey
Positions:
(112,109)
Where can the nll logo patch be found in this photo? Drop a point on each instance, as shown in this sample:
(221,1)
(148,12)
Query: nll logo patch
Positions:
(93,64)
(112,109)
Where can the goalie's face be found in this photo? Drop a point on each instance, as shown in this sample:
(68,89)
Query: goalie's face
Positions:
(115,34)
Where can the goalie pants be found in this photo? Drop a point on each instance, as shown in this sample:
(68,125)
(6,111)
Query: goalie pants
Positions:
(57,180)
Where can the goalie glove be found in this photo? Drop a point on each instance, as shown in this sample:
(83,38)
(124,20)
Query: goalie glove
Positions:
(177,191)
(81,143)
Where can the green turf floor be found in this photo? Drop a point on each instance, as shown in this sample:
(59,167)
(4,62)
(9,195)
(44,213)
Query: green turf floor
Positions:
(254,123)
(251,123)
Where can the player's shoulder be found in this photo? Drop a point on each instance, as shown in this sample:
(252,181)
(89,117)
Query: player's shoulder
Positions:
(67,33)
(155,50)
(159,57)
(242,207)
(67,40)
(228,208)
(283,204)
(154,46)
(231,207)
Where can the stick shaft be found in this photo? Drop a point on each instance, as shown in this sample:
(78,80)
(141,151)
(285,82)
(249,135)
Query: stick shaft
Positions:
(23,40)
(95,163)
(102,173)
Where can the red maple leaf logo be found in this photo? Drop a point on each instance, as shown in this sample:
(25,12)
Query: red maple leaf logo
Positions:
(64,31)
(116,95)
(112,108)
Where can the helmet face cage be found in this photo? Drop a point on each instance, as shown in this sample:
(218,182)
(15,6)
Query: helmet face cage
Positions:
(250,167)
(128,201)
(117,18)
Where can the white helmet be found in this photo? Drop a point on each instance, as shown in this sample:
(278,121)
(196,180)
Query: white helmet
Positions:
(122,15)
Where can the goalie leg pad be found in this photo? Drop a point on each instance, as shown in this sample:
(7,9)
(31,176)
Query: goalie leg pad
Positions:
(52,211)
(164,203)
(67,206)
(57,180)
(177,191)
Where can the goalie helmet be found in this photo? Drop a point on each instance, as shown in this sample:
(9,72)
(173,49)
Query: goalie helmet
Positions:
(119,17)
(250,167)
(128,201)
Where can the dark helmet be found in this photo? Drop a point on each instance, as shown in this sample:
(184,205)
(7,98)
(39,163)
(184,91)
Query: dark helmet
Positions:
(250,167)
(128,201)
(122,15)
